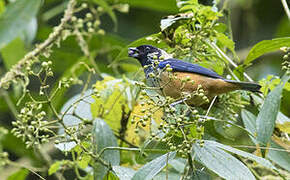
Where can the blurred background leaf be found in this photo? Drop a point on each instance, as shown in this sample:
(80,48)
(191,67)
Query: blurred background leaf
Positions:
(16,18)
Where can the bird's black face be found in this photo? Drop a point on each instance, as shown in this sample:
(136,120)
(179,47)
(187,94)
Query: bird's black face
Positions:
(144,53)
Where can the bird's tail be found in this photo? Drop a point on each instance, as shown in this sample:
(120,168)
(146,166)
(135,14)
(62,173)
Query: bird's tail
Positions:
(249,86)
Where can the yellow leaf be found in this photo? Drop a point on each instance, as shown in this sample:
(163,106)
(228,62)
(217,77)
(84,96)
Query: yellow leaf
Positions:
(285,127)
(144,132)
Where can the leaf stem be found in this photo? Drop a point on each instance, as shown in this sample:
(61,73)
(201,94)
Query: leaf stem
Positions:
(286,8)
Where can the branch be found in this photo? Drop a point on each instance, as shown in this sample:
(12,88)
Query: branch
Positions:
(286,8)
(221,53)
(17,70)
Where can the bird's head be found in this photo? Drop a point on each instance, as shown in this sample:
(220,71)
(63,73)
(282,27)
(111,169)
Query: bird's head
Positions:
(147,53)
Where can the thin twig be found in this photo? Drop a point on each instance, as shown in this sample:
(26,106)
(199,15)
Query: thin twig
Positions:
(17,69)
(286,8)
(210,106)
(222,54)
(26,167)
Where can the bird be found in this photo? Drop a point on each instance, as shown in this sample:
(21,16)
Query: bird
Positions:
(183,80)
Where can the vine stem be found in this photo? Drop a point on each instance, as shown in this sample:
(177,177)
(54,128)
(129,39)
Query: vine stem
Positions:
(17,69)
(286,8)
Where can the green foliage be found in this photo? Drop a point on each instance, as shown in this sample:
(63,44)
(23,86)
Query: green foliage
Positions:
(268,114)
(12,52)
(15,19)
(81,92)
(55,167)
(19,175)
(149,170)
(103,137)
(167,5)
(265,47)
(217,160)
(275,154)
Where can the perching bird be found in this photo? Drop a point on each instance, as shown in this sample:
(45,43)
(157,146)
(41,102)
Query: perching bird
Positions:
(176,78)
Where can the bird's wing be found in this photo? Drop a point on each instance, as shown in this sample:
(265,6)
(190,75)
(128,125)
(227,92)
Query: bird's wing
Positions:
(181,66)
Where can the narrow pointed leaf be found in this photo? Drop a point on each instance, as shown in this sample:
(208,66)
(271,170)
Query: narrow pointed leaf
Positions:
(265,122)
(222,163)
(267,46)
(249,120)
(151,169)
(282,158)
(104,137)
(253,157)
(123,173)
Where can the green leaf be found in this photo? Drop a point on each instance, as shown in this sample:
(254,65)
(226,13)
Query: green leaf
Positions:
(29,32)
(247,155)
(169,21)
(84,161)
(54,167)
(178,164)
(222,163)
(14,20)
(265,47)
(81,109)
(123,173)
(225,41)
(282,158)
(104,137)
(19,175)
(110,176)
(2,6)
(249,120)
(167,5)
(168,175)
(201,175)
(13,52)
(267,116)
(151,169)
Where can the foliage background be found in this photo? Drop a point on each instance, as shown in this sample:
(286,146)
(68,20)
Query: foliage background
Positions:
(252,21)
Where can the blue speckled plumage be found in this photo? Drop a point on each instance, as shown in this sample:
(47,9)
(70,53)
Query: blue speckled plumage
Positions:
(181,66)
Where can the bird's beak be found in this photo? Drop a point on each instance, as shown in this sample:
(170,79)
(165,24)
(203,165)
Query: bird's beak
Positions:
(133,52)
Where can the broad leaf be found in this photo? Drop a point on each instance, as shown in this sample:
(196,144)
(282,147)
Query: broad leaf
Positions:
(249,120)
(104,137)
(178,164)
(222,163)
(55,167)
(168,175)
(282,158)
(123,173)
(81,108)
(151,169)
(13,52)
(247,155)
(15,19)
(19,175)
(266,46)
(167,5)
(267,116)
